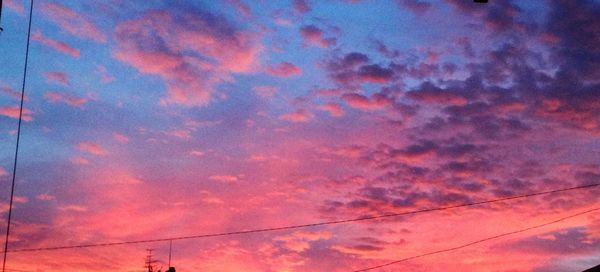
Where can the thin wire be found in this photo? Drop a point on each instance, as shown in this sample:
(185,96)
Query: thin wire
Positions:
(170,248)
(1,29)
(14,174)
(364,218)
(477,242)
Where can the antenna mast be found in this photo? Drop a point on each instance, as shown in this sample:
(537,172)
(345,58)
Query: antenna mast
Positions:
(149,261)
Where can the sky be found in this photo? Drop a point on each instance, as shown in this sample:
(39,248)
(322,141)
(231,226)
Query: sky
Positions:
(154,119)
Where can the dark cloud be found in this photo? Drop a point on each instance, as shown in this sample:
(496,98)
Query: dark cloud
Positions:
(429,93)
(498,16)
(587,177)
(572,241)
(417,6)
(355,69)
(314,36)
(301,6)
(468,168)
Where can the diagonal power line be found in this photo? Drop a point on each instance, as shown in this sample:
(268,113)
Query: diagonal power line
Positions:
(477,242)
(357,219)
(14,173)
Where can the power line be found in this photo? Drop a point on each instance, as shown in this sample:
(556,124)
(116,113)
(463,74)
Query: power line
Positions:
(1,29)
(14,174)
(358,219)
(477,242)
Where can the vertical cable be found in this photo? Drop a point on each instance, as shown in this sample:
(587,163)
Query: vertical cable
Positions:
(170,247)
(12,189)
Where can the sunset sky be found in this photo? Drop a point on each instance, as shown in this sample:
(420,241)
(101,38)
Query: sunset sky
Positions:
(154,119)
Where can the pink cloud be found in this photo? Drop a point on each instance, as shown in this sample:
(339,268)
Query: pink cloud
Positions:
(13,112)
(314,36)
(284,69)
(300,115)
(104,75)
(358,101)
(11,92)
(57,97)
(21,199)
(197,153)
(180,133)
(45,197)
(3,172)
(121,138)
(60,77)
(583,114)
(216,49)
(16,6)
(224,178)
(57,45)
(92,148)
(334,109)
(73,22)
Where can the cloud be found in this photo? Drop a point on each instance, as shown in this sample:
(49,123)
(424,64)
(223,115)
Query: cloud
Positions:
(16,6)
(301,115)
(104,75)
(45,197)
(73,22)
(358,101)
(241,7)
(55,44)
(59,77)
(419,7)
(334,109)
(12,93)
(301,6)
(357,249)
(284,69)
(431,94)
(314,36)
(121,138)
(468,168)
(571,96)
(58,97)
(415,151)
(92,148)
(3,172)
(180,133)
(197,153)
(155,44)
(572,241)
(73,208)
(498,17)
(300,241)
(13,112)
(355,68)
(224,178)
